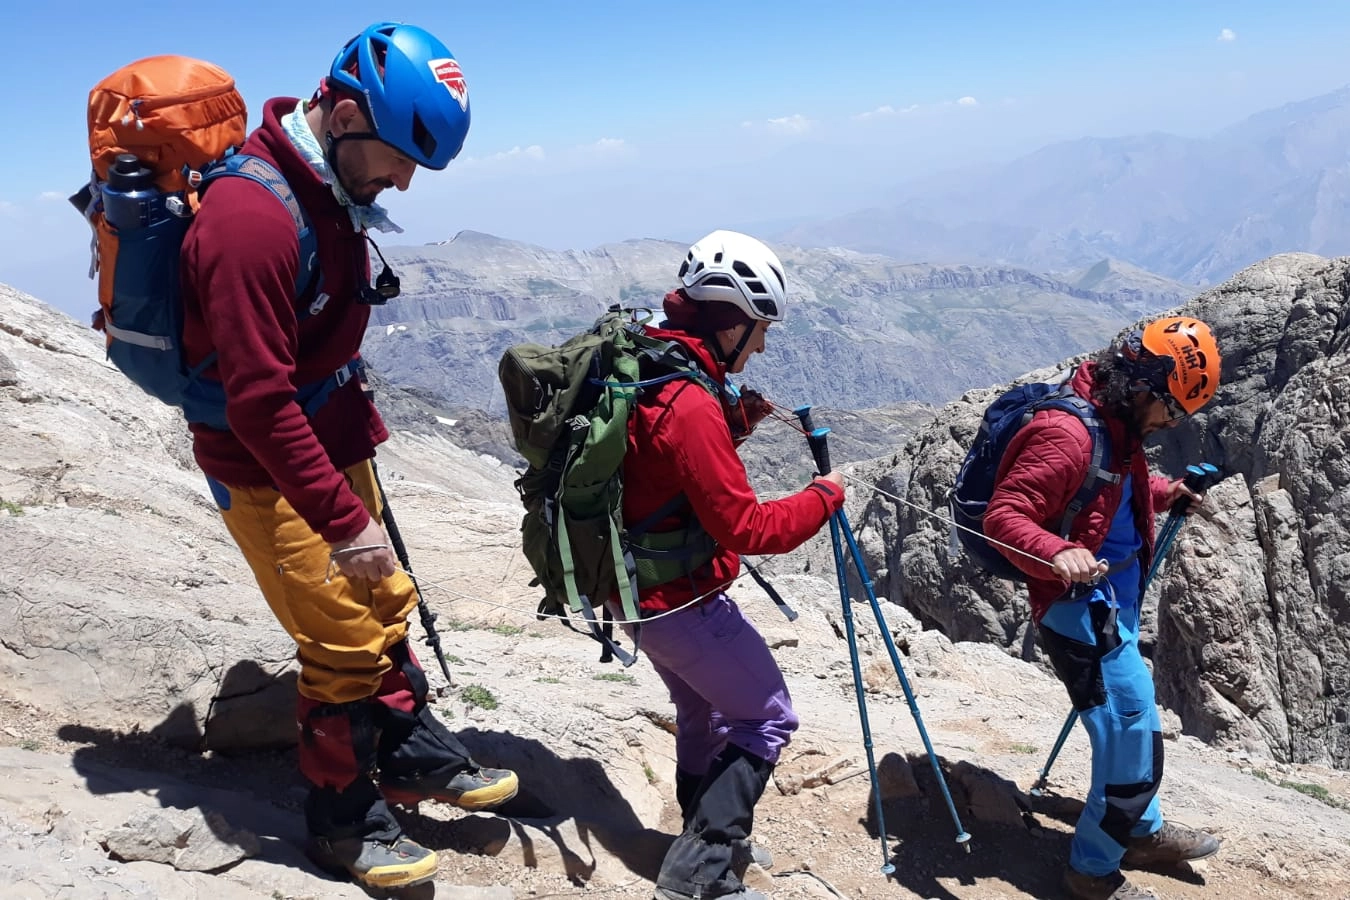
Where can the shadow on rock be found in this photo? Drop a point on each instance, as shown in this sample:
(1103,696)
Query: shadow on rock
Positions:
(1006,844)
(567,813)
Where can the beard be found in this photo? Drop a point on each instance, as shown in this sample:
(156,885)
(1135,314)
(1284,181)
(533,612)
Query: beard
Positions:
(354,178)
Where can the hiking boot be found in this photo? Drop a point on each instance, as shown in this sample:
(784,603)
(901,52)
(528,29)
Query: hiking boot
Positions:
(743,853)
(1168,846)
(471,789)
(1102,887)
(743,894)
(399,863)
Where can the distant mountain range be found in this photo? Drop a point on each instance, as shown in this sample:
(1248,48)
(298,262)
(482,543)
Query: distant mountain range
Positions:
(862,331)
(1195,210)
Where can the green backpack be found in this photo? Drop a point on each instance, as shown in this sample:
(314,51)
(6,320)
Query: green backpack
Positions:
(570,408)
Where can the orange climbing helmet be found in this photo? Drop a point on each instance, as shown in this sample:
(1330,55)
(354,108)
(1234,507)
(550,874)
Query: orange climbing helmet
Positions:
(1177,359)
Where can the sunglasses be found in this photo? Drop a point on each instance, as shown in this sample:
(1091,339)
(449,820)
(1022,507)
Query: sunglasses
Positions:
(386,283)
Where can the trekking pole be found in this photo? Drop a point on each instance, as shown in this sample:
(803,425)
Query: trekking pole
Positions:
(433,638)
(839,525)
(1198,478)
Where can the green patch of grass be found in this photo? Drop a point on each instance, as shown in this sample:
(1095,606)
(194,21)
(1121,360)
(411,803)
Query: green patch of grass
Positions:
(647,770)
(477,695)
(1023,748)
(549,679)
(30,744)
(11,507)
(453,660)
(623,677)
(507,630)
(457,625)
(1316,791)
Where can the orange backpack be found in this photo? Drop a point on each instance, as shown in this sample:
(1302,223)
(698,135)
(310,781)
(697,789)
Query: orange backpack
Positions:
(160,130)
(175,115)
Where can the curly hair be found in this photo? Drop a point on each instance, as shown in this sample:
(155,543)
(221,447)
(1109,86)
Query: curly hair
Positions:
(1114,383)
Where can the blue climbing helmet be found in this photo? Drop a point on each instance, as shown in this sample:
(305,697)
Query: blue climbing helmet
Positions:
(411,89)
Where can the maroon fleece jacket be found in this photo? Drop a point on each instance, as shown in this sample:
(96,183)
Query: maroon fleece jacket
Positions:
(240,261)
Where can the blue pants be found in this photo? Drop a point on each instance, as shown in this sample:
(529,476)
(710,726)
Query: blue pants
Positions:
(724,682)
(1094,648)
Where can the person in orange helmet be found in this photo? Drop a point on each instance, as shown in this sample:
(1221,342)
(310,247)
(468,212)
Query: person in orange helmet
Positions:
(1085,596)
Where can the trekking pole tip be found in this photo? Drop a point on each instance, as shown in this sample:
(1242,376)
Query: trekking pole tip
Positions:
(888,869)
(964,840)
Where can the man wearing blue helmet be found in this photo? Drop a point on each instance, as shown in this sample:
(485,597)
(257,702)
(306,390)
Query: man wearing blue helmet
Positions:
(292,473)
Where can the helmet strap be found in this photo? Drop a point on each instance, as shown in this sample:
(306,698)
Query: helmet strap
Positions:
(739,349)
(330,152)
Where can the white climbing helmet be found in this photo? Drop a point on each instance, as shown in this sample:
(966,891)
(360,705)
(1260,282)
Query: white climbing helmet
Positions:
(730,267)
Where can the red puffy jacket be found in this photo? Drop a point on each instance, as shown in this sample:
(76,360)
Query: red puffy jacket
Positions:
(680,442)
(1043,467)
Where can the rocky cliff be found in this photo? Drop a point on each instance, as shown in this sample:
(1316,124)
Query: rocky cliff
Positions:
(1250,639)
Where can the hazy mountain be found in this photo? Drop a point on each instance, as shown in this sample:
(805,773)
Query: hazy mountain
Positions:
(863,330)
(1192,209)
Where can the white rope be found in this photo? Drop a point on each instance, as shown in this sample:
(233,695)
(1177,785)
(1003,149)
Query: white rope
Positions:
(565,617)
(943,519)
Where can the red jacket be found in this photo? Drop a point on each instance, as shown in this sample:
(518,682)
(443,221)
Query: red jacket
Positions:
(680,441)
(240,261)
(1042,469)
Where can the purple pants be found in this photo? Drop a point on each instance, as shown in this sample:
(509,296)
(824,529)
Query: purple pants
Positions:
(724,683)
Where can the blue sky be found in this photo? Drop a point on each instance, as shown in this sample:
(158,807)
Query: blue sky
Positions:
(599,121)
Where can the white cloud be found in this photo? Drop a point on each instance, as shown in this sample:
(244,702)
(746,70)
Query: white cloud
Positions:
(1227,35)
(52,195)
(534,151)
(886,111)
(793,124)
(967,101)
(610,145)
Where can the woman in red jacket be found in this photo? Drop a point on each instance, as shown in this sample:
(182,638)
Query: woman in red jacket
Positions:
(733,712)
(1085,597)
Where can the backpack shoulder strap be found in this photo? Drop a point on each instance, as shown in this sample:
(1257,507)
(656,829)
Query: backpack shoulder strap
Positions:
(1099,473)
(262,172)
(670,359)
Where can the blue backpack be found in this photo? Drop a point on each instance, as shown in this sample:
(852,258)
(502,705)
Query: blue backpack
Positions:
(159,129)
(975,483)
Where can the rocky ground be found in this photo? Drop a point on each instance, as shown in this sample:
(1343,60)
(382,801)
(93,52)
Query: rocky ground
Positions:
(596,824)
(145,698)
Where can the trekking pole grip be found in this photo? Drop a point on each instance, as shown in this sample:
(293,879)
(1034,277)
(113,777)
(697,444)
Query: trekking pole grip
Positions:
(820,449)
(1197,479)
(815,439)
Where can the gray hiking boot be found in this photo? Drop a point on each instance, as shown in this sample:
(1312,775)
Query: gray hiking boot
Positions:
(743,853)
(473,789)
(399,863)
(743,894)
(1102,887)
(1168,846)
